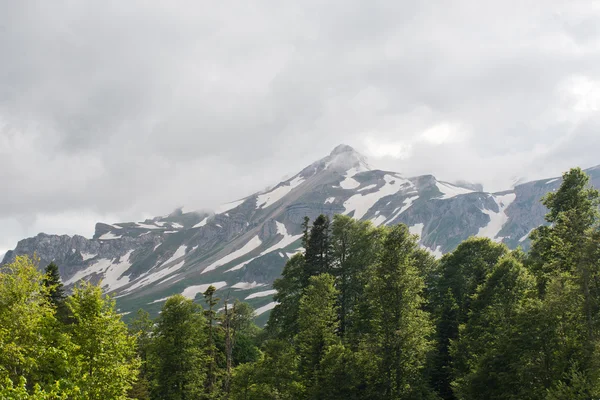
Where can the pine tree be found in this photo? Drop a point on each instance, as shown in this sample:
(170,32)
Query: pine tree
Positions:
(178,361)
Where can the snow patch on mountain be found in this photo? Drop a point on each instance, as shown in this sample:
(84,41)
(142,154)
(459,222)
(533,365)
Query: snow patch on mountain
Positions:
(329,200)
(147,226)
(96,268)
(526,235)
(360,203)
(552,181)
(349,183)
(201,223)
(180,252)
(284,242)
(264,309)
(405,206)
(497,219)
(113,277)
(267,199)
(448,190)
(247,285)
(147,279)
(191,291)
(380,219)
(416,229)
(109,236)
(248,247)
(87,256)
(261,294)
(366,188)
(228,206)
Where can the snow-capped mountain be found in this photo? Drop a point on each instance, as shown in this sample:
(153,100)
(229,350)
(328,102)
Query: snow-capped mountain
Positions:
(242,247)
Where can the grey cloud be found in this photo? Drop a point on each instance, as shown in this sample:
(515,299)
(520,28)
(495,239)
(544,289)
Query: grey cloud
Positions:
(128,109)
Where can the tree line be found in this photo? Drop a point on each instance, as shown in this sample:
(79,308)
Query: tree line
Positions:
(363,313)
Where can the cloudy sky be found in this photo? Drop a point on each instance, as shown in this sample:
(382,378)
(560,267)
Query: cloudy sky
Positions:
(120,110)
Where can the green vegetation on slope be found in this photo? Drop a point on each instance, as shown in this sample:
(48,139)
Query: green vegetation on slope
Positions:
(363,313)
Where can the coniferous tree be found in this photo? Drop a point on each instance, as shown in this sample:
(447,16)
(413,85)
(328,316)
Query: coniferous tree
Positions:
(283,320)
(566,261)
(354,246)
(492,354)
(56,293)
(459,275)
(318,250)
(400,332)
(317,328)
(178,357)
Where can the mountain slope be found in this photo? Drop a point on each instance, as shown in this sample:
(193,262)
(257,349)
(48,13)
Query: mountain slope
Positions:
(242,247)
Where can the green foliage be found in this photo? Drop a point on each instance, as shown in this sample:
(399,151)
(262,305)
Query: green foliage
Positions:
(55,291)
(364,313)
(317,324)
(459,275)
(178,358)
(401,329)
(104,349)
(32,346)
(491,355)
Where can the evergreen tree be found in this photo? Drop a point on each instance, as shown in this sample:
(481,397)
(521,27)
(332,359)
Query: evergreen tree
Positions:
(274,377)
(460,274)
(178,360)
(210,313)
(354,246)
(400,327)
(492,356)
(105,350)
(56,293)
(317,324)
(566,261)
(318,250)
(283,320)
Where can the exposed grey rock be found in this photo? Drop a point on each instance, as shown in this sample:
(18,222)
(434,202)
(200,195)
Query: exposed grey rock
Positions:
(147,261)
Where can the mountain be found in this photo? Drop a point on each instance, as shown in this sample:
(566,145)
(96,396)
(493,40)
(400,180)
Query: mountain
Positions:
(242,247)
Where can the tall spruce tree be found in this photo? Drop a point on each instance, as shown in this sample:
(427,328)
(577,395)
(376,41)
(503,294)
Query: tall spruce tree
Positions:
(565,257)
(318,250)
(400,327)
(55,291)
(178,360)
(459,275)
(317,328)
(354,246)
(492,355)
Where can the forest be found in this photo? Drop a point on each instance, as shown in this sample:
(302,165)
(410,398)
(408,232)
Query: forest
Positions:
(363,313)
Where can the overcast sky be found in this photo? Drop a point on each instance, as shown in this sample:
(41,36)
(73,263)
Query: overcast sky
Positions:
(120,110)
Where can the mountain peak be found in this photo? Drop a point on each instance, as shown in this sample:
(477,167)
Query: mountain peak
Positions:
(342,148)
